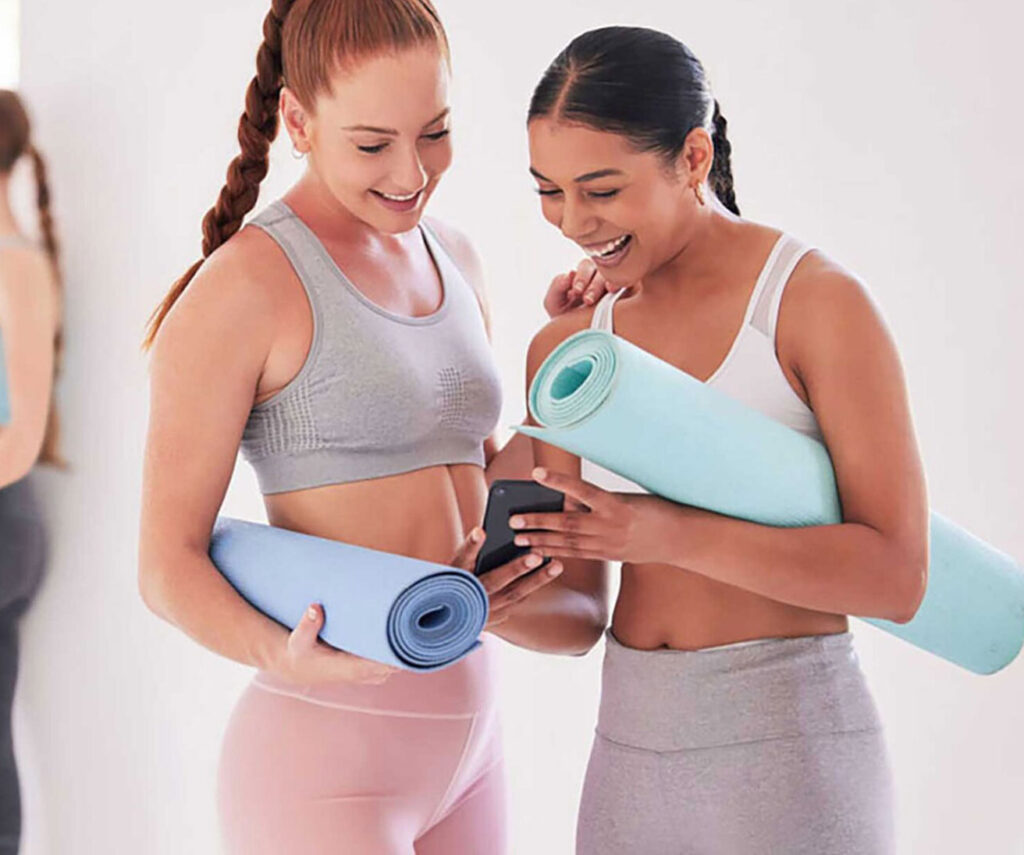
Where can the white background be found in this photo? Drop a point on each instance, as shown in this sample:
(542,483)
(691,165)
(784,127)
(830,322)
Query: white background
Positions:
(889,134)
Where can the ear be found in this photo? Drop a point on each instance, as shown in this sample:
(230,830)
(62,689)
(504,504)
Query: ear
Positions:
(296,120)
(694,161)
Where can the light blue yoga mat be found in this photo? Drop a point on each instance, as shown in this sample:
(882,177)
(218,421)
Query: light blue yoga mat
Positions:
(602,398)
(400,611)
(5,400)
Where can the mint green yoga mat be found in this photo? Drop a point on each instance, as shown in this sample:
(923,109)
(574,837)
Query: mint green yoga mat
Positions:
(602,398)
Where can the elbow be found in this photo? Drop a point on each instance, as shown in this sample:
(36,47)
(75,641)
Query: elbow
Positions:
(594,627)
(913,575)
(153,589)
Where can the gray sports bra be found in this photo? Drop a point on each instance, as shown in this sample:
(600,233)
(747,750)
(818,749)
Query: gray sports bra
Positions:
(379,393)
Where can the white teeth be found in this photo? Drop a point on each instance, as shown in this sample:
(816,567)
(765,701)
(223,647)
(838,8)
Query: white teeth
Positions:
(399,198)
(609,248)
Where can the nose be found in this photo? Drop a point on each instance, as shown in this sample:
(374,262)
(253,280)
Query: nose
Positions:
(577,221)
(410,175)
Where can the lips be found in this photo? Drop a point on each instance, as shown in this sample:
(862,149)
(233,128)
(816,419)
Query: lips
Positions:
(611,252)
(402,204)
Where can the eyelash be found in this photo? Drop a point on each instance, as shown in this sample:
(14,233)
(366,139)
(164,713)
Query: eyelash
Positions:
(605,195)
(377,149)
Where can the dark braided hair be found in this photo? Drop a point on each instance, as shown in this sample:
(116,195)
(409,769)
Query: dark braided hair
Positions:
(304,43)
(642,84)
(15,143)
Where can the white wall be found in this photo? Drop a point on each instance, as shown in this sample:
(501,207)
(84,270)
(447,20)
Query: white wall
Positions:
(883,132)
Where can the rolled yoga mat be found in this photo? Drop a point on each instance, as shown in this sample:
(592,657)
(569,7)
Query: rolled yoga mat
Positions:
(400,611)
(602,398)
(5,401)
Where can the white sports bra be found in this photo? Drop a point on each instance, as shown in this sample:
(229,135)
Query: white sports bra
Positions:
(750,372)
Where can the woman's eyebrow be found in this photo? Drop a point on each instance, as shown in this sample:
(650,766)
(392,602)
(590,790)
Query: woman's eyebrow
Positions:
(391,131)
(590,176)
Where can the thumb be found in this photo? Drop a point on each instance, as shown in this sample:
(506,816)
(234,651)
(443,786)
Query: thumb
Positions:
(304,636)
(465,558)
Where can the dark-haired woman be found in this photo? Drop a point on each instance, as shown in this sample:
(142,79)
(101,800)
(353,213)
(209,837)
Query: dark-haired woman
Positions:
(340,340)
(734,715)
(29,347)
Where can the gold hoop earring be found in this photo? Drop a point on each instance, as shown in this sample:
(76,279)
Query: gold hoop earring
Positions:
(298,155)
(698,191)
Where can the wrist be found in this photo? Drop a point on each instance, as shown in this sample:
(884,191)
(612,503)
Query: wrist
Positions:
(672,527)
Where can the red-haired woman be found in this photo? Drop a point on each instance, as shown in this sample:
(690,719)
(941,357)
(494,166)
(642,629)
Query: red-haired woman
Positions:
(340,339)
(29,351)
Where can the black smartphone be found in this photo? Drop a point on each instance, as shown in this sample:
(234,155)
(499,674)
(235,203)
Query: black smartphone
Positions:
(505,499)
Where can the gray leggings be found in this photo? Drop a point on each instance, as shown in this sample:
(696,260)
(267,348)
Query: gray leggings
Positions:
(770,748)
(22,556)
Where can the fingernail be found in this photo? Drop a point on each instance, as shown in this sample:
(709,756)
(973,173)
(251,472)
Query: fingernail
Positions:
(521,540)
(554,569)
(311,613)
(476,535)
(533,560)
(540,472)
(589,298)
(516,522)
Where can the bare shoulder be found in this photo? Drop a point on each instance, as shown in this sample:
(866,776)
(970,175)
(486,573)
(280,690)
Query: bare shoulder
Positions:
(237,294)
(827,308)
(822,290)
(27,281)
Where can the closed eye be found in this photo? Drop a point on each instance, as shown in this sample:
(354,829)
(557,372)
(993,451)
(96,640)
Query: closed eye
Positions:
(440,135)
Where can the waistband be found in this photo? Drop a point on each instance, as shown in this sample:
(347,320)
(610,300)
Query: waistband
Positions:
(466,688)
(671,700)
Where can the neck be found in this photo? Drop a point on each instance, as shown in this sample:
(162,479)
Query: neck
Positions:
(701,251)
(315,205)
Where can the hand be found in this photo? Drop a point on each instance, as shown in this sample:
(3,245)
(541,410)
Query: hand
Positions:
(598,525)
(307,660)
(582,286)
(505,585)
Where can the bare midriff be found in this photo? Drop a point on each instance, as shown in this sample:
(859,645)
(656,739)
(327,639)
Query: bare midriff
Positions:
(423,514)
(662,606)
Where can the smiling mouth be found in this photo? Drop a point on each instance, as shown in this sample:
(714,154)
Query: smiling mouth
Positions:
(392,198)
(608,250)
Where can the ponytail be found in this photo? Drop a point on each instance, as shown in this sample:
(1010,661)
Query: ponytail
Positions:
(257,129)
(720,177)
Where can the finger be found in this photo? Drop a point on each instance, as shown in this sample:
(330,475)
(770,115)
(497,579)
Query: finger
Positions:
(576,521)
(524,588)
(586,270)
(357,668)
(595,291)
(465,557)
(593,497)
(500,577)
(547,543)
(304,636)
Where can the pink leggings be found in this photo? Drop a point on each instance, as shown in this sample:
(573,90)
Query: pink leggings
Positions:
(412,767)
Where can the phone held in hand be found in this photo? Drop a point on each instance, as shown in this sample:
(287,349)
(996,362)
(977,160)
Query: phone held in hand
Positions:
(505,499)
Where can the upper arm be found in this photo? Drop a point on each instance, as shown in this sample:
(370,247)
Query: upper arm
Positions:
(848,362)
(205,367)
(28,319)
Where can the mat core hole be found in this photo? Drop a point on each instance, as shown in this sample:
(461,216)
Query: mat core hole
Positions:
(570,379)
(434,618)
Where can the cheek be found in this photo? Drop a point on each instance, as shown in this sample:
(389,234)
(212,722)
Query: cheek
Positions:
(438,158)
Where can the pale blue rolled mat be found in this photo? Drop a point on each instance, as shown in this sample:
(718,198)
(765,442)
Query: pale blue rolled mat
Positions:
(400,611)
(602,398)
(5,401)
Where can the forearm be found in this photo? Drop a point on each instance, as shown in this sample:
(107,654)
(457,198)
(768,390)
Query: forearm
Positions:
(847,568)
(188,591)
(514,460)
(557,619)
